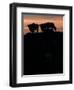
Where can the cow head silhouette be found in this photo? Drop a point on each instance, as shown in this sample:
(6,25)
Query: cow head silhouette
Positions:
(47,27)
(33,27)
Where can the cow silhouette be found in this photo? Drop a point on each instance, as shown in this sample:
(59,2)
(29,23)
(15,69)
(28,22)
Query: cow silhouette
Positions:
(33,27)
(47,27)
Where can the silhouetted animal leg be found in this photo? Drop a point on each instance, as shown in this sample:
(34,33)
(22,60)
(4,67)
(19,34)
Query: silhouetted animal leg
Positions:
(37,30)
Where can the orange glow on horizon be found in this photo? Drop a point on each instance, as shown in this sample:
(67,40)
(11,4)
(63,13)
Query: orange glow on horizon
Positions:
(57,20)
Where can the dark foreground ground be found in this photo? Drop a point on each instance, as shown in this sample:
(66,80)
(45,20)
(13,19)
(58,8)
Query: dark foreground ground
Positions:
(43,53)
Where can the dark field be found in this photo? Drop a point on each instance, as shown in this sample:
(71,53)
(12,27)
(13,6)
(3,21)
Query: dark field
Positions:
(43,53)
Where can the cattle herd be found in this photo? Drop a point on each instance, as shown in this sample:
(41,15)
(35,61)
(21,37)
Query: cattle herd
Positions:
(43,49)
(45,27)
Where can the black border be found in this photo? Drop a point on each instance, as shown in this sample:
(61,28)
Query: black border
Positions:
(12,64)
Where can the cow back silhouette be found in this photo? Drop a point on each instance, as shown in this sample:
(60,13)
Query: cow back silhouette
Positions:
(47,27)
(33,27)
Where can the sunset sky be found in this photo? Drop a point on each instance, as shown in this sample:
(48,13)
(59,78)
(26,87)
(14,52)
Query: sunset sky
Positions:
(39,19)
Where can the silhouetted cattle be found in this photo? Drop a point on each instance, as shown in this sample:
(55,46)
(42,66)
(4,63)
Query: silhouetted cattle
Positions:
(33,27)
(47,27)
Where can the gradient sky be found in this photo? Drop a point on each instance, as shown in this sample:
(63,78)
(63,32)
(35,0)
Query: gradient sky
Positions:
(39,19)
